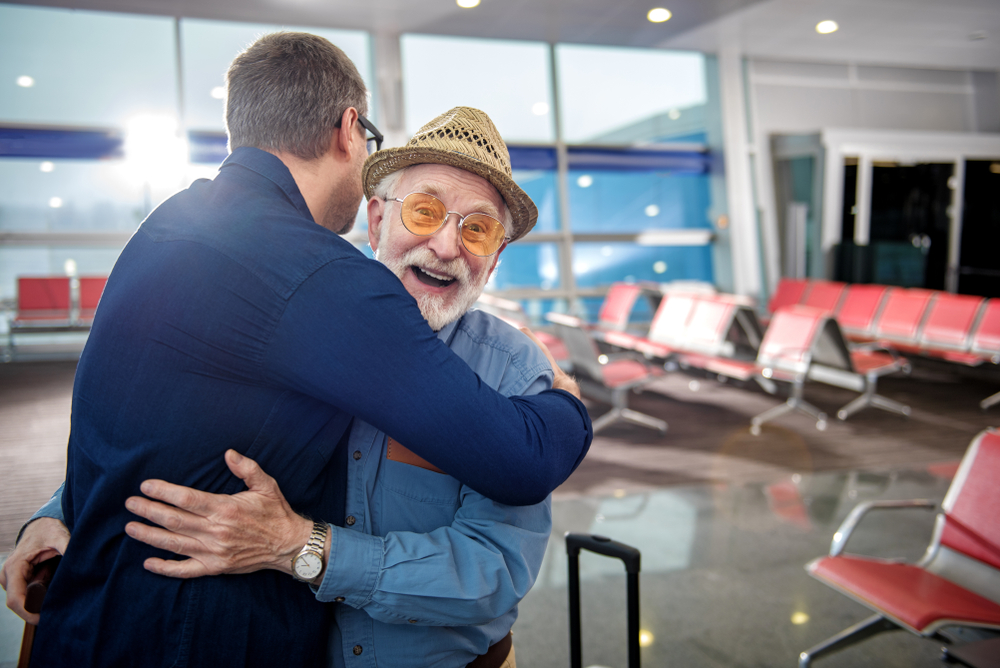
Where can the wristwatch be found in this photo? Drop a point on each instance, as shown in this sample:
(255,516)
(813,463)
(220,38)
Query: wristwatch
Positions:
(308,563)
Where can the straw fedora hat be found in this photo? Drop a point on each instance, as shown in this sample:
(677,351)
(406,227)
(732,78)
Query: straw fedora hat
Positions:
(462,137)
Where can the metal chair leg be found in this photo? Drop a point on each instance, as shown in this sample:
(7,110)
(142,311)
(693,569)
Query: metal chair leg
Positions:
(861,631)
(644,420)
(869,398)
(990,401)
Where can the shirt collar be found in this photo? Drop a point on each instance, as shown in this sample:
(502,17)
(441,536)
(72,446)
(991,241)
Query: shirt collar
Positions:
(446,332)
(271,168)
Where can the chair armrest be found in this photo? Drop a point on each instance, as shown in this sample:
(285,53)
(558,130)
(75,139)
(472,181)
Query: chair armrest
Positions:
(567,320)
(847,527)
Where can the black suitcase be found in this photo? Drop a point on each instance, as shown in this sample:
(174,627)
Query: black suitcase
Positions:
(610,548)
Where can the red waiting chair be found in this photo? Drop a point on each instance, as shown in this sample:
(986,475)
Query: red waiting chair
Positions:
(617,306)
(606,379)
(790,291)
(825,295)
(957,583)
(986,342)
(857,312)
(91,289)
(42,301)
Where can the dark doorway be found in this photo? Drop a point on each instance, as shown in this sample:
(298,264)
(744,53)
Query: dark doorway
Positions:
(910,224)
(979,262)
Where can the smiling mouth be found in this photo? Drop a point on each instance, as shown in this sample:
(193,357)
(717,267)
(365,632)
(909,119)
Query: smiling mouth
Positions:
(433,280)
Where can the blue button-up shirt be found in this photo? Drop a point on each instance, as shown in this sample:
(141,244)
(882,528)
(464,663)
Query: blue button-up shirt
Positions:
(429,572)
(233,320)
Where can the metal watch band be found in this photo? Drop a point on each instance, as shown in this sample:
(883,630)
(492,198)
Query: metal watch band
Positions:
(315,545)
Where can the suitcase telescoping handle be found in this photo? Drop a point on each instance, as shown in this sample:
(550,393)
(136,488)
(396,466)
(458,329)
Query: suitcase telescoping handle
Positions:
(610,548)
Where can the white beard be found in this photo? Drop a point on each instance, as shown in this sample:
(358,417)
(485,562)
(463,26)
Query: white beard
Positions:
(436,312)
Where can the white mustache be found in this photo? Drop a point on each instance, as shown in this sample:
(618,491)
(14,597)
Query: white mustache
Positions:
(425,258)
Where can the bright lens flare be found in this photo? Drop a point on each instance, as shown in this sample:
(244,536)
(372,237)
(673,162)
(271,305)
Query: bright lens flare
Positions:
(467,4)
(658,15)
(827,27)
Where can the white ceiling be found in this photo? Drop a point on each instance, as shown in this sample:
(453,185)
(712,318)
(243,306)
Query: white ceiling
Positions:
(924,33)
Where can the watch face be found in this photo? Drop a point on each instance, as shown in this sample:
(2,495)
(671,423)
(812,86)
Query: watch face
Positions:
(308,565)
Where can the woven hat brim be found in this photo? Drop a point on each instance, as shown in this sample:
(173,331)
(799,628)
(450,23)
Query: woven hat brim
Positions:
(382,163)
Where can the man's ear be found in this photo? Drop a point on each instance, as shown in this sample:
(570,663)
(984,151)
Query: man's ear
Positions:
(376,212)
(496,258)
(345,138)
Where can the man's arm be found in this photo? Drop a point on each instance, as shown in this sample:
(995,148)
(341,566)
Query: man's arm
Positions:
(468,573)
(374,357)
(43,537)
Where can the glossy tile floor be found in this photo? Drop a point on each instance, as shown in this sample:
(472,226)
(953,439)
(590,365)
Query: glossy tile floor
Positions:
(725,520)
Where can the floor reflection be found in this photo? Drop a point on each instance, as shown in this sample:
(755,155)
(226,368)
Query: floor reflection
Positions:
(722,580)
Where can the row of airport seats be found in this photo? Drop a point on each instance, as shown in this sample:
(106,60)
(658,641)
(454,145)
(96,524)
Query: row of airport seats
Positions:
(47,304)
(961,329)
(50,302)
(843,335)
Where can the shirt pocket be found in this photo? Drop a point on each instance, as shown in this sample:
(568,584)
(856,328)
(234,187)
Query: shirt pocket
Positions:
(416,499)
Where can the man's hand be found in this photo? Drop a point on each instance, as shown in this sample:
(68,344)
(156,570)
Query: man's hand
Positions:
(560,379)
(242,533)
(42,539)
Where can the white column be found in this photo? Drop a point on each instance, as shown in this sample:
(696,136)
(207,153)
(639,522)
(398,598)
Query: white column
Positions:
(388,94)
(739,184)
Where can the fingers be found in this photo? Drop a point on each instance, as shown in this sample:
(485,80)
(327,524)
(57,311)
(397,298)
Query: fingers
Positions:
(166,516)
(545,348)
(186,498)
(15,581)
(560,379)
(250,472)
(185,569)
(42,539)
(163,539)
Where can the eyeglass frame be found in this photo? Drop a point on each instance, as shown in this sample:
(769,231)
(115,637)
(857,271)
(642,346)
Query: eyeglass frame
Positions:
(370,127)
(447,215)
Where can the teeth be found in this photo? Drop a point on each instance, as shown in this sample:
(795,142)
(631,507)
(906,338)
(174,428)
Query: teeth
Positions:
(440,277)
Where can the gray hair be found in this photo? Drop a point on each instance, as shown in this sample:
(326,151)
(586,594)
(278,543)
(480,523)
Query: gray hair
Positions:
(288,91)
(386,190)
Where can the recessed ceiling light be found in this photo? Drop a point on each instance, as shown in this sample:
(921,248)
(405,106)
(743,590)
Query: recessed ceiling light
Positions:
(652,211)
(55,202)
(25,81)
(585,181)
(47,166)
(827,27)
(219,93)
(674,114)
(467,4)
(540,108)
(659,15)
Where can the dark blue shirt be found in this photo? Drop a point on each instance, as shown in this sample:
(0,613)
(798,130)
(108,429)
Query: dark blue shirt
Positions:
(232,320)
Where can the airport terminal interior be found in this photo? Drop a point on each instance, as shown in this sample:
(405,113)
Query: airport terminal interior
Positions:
(766,246)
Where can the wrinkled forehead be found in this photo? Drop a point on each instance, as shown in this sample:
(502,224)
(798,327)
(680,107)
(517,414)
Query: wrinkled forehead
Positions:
(454,187)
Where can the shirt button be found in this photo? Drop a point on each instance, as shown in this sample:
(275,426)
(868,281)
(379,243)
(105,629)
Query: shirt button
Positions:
(357,650)
(339,599)
(351,520)
(357,455)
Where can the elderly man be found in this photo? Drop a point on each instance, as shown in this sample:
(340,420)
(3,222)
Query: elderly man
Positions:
(425,570)
(233,320)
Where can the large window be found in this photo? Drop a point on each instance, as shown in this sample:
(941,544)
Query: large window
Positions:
(508,80)
(630,96)
(133,107)
(84,69)
(207,48)
(97,99)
